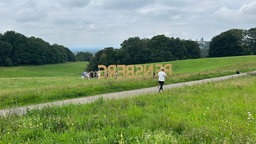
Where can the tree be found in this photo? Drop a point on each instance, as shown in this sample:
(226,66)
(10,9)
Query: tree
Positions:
(161,48)
(5,53)
(93,64)
(179,49)
(38,51)
(131,51)
(21,50)
(59,53)
(18,42)
(70,56)
(250,40)
(84,56)
(193,50)
(138,51)
(228,43)
(107,56)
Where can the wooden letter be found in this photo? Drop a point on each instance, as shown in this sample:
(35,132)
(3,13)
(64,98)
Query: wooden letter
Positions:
(104,72)
(158,67)
(112,71)
(139,71)
(121,71)
(168,69)
(130,71)
(148,72)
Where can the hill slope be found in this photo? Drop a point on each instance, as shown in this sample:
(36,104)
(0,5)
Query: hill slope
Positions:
(38,84)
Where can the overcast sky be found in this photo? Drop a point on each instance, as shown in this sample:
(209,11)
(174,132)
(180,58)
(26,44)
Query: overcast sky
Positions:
(107,23)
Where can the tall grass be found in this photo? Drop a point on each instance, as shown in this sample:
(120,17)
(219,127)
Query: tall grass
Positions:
(25,85)
(221,112)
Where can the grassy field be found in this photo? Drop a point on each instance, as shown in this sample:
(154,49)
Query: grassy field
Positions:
(220,112)
(71,69)
(242,63)
(25,85)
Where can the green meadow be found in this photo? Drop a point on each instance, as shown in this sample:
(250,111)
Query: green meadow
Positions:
(219,112)
(70,69)
(24,85)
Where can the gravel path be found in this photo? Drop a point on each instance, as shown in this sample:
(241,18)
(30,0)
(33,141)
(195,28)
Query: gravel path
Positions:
(123,94)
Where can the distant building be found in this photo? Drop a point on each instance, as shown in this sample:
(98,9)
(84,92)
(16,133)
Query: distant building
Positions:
(203,44)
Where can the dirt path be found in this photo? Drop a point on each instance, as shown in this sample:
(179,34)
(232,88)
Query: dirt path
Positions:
(123,94)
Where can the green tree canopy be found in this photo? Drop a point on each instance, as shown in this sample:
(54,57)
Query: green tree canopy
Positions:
(228,43)
(250,40)
(84,56)
(5,53)
(138,51)
(21,50)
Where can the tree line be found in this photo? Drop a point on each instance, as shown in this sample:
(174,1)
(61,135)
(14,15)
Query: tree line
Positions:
(135,50)
(234,42)
(17,49)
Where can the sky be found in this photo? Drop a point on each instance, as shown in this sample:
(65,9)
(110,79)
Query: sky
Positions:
(107,23)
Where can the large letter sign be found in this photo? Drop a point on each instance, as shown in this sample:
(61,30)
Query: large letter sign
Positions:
(131,71)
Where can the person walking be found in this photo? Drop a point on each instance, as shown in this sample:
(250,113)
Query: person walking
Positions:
(161,77)
(84,74)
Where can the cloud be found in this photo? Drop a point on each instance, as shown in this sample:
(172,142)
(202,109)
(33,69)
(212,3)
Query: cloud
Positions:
(74,3)
(241,15)
(25,11)
(155,9)
(30,15)
(125,5)
(109,22)
(248,9)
